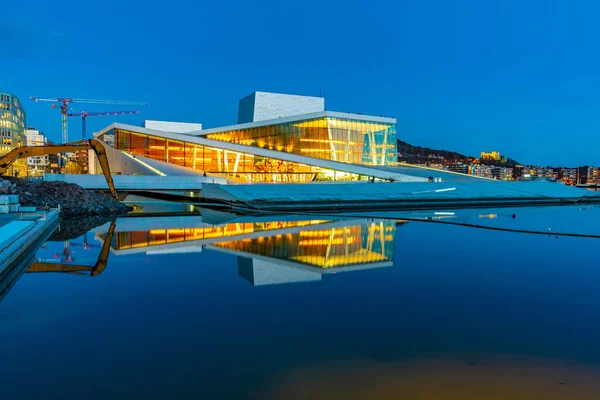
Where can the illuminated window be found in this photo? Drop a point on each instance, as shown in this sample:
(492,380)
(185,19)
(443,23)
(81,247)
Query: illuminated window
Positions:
(344,140)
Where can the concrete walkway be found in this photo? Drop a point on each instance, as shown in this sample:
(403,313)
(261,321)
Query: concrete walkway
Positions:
(137,182)
(19,230)
(373,196)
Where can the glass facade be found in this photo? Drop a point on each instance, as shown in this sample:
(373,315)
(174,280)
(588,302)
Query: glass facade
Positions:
(316,244)
(233,165)
(354,244)
(157,237)
(12,128)
(339,139)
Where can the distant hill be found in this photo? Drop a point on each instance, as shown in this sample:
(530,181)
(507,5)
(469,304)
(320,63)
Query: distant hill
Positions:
(421,155)
(417,154)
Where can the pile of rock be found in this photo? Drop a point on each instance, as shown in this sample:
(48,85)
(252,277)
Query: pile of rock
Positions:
(7,187)
(73,200)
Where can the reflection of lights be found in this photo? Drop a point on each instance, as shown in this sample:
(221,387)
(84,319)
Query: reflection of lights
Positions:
(155,237)
(321,233)
(321,242)
(320,151)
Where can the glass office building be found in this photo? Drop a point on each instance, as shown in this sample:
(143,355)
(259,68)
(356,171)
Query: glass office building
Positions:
(12,129)
(12,122)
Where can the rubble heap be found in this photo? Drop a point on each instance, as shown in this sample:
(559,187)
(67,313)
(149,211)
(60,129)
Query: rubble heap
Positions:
(7,187)
(72,199)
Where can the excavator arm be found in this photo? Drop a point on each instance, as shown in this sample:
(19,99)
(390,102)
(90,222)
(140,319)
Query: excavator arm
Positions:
(30,151)
(95,270)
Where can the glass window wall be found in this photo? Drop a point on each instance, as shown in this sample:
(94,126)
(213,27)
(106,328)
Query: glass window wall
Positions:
(332,247)
(337,139)
(235,166)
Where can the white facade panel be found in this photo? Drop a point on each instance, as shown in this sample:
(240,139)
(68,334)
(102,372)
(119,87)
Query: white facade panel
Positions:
(260,272)
(171,126)
(266,106)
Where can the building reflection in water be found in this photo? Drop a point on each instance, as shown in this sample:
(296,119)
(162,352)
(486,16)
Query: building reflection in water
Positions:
(274,251)
(143,239)
(306,254)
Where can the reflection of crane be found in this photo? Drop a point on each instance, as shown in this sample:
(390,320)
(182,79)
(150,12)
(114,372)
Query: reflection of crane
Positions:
(28,151)
(94,270)
(66,252)
(64,108)
(86,245)
(85,114)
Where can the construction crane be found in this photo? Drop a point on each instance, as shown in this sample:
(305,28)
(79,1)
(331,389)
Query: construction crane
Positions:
(85,114)
(64,108)
(29,151)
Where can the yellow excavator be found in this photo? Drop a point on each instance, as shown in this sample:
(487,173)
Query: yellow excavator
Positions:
(95,270)
(30,151)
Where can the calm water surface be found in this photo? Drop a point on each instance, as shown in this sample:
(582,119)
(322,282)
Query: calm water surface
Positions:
(285,307)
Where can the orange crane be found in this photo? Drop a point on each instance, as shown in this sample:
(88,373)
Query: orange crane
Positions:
(29,151)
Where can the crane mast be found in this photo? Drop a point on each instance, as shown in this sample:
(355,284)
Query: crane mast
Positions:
(64,108)
(63,105)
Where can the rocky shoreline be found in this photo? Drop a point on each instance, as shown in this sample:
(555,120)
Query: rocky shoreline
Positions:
(73,200)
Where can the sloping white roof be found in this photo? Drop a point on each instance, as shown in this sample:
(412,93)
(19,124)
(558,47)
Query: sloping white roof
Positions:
(442,195)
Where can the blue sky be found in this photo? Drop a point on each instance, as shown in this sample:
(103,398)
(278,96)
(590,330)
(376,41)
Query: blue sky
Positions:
(521,77)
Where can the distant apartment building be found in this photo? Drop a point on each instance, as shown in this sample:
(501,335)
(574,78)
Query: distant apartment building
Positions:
(564,175)
(12,129)
(36,165)
(459,167)
(569,175)
(558,173)
(482,170)
(518,172)
(547,173)
(585,175)
(502,173)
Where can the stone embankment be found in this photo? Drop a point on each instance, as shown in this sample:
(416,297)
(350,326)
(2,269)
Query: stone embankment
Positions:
(73,200)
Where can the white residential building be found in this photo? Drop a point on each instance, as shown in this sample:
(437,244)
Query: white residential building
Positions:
(37,165)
